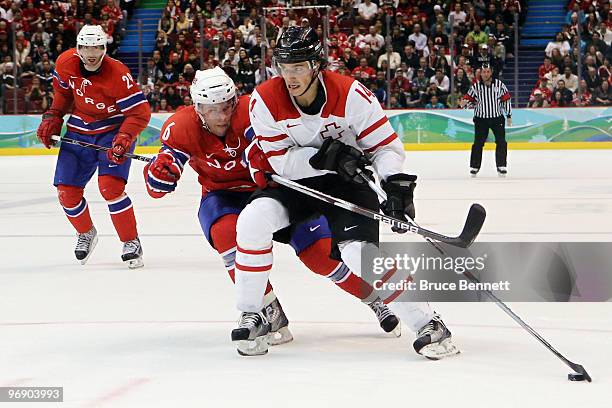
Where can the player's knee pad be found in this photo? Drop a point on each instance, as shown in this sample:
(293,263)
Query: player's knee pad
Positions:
(223,233)
(69,196)
(111,187)
(258,221)
(316,258)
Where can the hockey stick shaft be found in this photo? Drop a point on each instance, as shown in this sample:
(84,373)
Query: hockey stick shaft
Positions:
(459,241)
(576,367)
(98,147)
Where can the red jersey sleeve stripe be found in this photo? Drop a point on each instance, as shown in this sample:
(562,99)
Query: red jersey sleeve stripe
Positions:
(273,153)
(255,252)
(505,97)
(272,138)
(372,127)
(383,143)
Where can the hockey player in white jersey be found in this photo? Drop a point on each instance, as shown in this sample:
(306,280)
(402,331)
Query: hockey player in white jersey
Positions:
(318,128)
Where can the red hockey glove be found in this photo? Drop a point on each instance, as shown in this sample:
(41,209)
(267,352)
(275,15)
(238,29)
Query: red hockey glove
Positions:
(163,173)
(121,145)
(51,125)
(258,164)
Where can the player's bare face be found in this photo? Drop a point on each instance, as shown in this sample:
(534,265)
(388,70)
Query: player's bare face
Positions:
(217,116)
(91,56)
(297,77)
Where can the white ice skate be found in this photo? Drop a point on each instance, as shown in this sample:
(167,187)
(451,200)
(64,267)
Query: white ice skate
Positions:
(434,340)
(279,324)
(86,242)
(132,254)
(251,335)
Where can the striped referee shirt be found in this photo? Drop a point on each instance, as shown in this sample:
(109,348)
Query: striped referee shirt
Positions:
(489,101)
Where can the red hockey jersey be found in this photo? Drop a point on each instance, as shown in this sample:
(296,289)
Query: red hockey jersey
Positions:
(102,101)
(218,161)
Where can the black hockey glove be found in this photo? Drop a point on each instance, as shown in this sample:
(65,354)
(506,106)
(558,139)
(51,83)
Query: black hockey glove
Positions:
(343,159)
(400,189)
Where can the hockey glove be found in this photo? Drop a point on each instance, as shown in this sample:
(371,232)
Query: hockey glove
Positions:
(400,191)
(162,174)
(51,125)
(258,164)
(343,159)
(121,145)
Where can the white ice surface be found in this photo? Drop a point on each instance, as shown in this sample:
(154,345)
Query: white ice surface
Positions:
(159,336)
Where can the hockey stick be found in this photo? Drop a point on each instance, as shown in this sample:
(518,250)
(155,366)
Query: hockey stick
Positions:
(97,147)
(473,223)
(574,366)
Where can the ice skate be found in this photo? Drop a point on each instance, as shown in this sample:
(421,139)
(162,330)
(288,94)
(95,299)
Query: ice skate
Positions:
(434,340)
(251,335)
(502,171)
(387,319)
(474,171)
(132,254)
(86,242)
(279,324)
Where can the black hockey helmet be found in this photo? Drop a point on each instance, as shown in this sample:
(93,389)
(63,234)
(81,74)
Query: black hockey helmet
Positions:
(297,44)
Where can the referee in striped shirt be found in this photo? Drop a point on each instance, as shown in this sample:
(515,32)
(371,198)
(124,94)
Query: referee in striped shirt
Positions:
(490,100)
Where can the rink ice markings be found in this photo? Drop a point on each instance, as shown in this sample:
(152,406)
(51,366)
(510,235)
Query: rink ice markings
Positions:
(118,392)
(298,322)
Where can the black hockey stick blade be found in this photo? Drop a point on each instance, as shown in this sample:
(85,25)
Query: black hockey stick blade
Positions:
(580,370)
(473,224)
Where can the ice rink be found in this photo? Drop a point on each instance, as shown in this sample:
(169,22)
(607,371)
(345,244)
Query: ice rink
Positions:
(160,336)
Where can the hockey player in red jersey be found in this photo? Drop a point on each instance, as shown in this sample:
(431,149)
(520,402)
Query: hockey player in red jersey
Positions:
(319,128)
(107,108)
(212,135)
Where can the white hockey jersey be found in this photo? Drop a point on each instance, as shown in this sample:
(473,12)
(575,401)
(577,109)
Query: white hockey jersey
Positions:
(351,114)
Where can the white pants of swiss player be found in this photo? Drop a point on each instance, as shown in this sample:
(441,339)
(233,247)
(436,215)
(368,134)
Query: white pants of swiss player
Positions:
(257,223)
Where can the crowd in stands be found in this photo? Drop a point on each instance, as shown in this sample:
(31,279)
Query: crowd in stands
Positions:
(587,35)
(33,33)
(428,43)
(481,31)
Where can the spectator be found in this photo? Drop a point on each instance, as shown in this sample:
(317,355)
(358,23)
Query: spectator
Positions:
(546,67)
(364,72)
(462,82)
(571,80)
(562,96)
(394,63)
(434,103)
(560,44)
(374,39)
(400,83)
(164,107)
(553,77)
(217,49)
(173,98)
(582,97)
(602,95)
(538,100)
(419,39)
(410,57)
(592,79)
(367,10)
(441,81)
(457,15)
(479,37)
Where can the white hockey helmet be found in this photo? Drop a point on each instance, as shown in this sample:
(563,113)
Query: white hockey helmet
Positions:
(212,87)
(91,36)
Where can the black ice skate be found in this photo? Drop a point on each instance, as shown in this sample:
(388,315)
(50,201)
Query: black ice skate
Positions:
(132,254)
(86,242)
(252,334)
(279,324)
(388,321)
(502,171)
(434,340)
(474,171)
